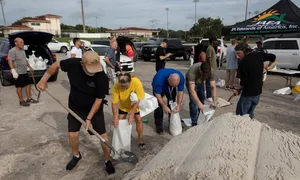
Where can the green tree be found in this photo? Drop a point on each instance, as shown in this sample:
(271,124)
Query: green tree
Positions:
(207,27)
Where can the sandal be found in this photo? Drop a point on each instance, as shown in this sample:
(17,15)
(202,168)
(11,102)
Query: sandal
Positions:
(142,146)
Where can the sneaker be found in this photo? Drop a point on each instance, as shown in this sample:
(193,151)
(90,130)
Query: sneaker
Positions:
(232,88)
(109,167)
(31,101)
(24,103)
(210,99)
(159,131)
(227,87)
(72,164)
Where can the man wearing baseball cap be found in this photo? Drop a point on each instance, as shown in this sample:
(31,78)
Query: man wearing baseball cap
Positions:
(89,84)
(161,55)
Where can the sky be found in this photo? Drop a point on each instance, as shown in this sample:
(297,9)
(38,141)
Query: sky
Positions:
(114,14)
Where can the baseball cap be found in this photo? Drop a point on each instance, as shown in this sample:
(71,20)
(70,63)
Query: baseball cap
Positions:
(165,41)
(91,61)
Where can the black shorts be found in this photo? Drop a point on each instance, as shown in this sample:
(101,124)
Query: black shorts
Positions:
(22,81)
(123,112)
(97,122)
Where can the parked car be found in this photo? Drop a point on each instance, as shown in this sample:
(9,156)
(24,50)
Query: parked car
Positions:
(101,42)
(220,48)
(127,64)
(56,46)
(175,47)
(35,41)
(287,51)
(86,43)
(122,41)
(139,46)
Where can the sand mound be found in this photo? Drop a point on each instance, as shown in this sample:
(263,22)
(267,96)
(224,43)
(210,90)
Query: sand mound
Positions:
(229,147)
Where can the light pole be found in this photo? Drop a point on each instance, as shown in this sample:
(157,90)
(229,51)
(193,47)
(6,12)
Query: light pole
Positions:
(96,24)
(167,9)
(196,1)
(82,14)
(153,21)
(246,12)
(4,20)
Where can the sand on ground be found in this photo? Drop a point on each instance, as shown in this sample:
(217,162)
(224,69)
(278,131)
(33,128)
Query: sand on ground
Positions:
(229,147)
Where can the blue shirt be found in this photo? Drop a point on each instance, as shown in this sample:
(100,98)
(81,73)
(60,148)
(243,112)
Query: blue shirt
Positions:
(232,62)
(160,83)
(111,56)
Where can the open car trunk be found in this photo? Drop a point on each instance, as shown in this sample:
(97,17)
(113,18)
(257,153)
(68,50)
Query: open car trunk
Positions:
(122,41)
(39,51)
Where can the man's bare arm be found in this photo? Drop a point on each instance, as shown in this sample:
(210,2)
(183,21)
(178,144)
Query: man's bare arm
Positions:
(11,64)
(179,98)
(108,62)
(52,69)
(160,100)
(95,108)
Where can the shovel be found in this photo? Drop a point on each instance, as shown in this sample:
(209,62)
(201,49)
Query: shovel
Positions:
(39,92)
(123,155)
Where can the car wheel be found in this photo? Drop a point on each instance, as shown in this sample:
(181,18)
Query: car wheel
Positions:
(53,78)
(63,49)
(147,59)
(4,82)
(187,56)
(172,58)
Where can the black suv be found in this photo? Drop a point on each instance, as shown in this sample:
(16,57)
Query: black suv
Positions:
(36,41)
(175,47)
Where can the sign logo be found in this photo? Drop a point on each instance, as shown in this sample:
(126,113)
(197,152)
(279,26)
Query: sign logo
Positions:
(270,15)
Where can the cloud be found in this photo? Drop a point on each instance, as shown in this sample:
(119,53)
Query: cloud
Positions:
(116,13)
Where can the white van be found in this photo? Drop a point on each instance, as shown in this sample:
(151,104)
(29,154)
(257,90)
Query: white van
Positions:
(287,51)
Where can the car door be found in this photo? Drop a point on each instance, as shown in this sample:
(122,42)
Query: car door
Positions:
(53,45)
(270,46)
(288,51)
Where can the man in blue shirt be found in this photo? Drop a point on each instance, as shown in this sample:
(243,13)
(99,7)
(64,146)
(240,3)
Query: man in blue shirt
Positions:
(232,65)
(167,82)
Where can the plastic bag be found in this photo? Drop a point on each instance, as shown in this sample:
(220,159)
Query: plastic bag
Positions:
(220,83)
(122,137)
(283,91)
(175,122)
(147,105)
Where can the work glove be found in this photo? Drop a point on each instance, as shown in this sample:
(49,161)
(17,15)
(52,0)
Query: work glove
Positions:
(14,74)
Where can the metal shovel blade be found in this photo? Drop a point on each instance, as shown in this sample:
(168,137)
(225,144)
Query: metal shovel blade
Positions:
(127,157)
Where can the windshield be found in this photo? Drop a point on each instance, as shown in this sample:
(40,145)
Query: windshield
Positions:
(101,50)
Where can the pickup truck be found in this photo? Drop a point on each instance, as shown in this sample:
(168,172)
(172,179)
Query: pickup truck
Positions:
(287,51)
(175,47)
(220,48)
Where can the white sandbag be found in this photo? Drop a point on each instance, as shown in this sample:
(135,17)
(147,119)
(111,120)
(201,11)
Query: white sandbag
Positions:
(133,98)
(175,122)
(148,105)
(220,83)
(208,114)
(283,91)
(298,83)
(297,98)
(122,137)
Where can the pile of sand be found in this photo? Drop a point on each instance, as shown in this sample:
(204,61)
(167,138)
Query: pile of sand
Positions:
(229,147)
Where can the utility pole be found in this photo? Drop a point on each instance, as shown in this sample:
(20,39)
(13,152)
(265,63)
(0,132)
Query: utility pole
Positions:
(96,24)
(82,14)
(196,1)
(246,12)
(167,9)
(185,31)
(3,14)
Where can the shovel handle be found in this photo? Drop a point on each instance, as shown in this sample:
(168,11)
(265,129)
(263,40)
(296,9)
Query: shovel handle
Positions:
(33,79)
(81,121)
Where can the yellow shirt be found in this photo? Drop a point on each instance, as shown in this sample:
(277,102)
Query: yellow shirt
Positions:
(121,96)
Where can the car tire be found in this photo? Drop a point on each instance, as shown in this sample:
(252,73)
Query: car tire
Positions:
(172,58)
(53,78)
(187,56)
(147,59)
(4,82)
(63,49)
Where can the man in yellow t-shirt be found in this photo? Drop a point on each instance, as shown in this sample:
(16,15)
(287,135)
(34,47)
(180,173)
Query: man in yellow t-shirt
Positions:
(122,105)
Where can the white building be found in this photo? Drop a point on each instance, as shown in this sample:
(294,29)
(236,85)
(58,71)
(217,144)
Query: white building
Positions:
(134,32)
(47,23)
